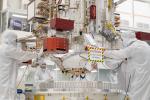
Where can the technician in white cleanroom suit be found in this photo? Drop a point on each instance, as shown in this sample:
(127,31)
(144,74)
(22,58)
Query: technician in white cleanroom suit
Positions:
(9,57)
(135,59)
(42,77)
(42,74)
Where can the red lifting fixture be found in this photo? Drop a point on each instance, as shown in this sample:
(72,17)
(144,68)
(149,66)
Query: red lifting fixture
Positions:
(92,12)
(62,24)
(56,45)
(143,36)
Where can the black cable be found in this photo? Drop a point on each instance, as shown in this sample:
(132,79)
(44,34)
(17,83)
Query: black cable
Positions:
(82,77)
(119,66)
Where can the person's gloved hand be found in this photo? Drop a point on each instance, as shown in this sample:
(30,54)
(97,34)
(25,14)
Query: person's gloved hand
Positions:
(42,52)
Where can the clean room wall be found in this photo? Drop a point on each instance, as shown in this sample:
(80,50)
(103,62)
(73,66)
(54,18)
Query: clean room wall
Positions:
(135,15)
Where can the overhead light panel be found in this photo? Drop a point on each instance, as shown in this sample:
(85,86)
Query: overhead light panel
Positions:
(94,71)
(22,67)
(56,69)
(19,16)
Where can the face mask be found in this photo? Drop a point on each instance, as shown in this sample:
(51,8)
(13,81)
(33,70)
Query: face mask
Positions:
(43,69)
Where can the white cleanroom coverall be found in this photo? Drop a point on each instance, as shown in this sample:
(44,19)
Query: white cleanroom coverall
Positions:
(9,57)
(136,57)
(42,75)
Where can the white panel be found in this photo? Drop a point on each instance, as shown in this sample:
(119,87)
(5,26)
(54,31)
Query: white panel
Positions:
(21,34)
(141,8)
(124,23)
(14,4)
(31,10)
(125,7)
(4,4)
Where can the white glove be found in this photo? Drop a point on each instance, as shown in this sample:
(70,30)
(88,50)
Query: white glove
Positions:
(41,52)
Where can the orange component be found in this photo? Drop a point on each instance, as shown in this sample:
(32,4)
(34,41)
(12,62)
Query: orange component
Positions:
(117,18)
(39,97)
(92,12)
(56,45)
(87,47)
(117,23)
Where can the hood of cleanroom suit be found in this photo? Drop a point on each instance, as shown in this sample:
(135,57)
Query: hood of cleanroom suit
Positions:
(128,37)
(9,57)
(136,63)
